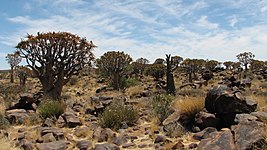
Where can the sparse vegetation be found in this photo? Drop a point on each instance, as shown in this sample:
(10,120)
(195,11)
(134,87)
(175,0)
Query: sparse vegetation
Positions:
(3,122)
(118,113)
(50,108)
(162,106)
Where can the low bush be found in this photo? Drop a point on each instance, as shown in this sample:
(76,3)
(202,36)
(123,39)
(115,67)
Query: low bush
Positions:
(51,108)
(118,113)
(162,106)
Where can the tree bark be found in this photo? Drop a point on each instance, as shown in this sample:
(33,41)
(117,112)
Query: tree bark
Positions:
(116,81)
(12,74)
(170,80)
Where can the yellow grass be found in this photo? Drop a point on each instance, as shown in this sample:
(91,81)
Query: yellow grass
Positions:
(259,99)
(6,144)
(189,105)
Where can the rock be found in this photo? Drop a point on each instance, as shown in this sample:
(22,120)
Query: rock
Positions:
(57,133)
(81,132)
(84,145)
(174,117)
(206,133)
(27,145)
(49,138)
(262,116)
(178,145)
(28,97)
(48,122)
(160,139)
(71,119)
(205,119)
(61,122)
(143,145)
(220,140)
(57,145)
(119,140)
(193,146)
(249,135)
(106,146)
(106,134)
(223,100)
(129,145)
(244,118)
(17,116)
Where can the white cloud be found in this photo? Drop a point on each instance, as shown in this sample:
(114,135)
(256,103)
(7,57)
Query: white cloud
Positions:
(203,22)
(233,21)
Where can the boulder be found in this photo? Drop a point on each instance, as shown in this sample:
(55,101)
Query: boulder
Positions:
(49,137)
(17,116)
(224,100)
(71,119)
(219,141)
(249,135)
(205,119)
(84,145)
(57,133)
(262,116)
(160,139)
(106,146)
(57,145)
(244,118)
(206,133)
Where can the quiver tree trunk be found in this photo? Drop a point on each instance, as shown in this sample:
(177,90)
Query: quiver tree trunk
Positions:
(12,74)
(116,79)
(169,74)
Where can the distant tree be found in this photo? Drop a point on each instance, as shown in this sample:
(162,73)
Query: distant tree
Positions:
(245,58)
(139,65)
(114,64)
(256,65)
(228,64)
(55,57)
(23,73)
(191,67)
(172,64)
(13,59)
(156,70)
(159,61)
(236,65)
(211,64)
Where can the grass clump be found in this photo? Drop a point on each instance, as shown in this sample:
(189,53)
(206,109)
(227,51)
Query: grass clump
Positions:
(191,92)
(162,106)
(118,113)
(51,108)
(7,144)
(3,122)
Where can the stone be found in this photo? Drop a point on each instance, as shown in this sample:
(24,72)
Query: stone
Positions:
(27,145)
(106,134)
(48,122)
(57,133)
(248,134)
(205,119)
(178,145)
(61,122)
(57,145)
(106,146)
(71,119)
(129,145)
(220,140)
(262,116)
(244,118)
(84,145)
(160,139)
(17,116)
(174,117)
(119,140)
(206,133)
(143,145)
(81,132)
(49,137)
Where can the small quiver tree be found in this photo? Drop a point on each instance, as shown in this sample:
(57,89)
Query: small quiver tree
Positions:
(55,57)
(13,59)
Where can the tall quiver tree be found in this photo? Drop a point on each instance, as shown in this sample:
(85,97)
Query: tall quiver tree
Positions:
(114,64)
(172,64)
(13,59)
(245,59)
(55,57)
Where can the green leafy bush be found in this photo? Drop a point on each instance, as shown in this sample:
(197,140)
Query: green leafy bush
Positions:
(3,122)
(117,113)
(162,106)
(51,108)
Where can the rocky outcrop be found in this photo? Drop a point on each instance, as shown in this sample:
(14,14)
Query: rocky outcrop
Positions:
(57,145)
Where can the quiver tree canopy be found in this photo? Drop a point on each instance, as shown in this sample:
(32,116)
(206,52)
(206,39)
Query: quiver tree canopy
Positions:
(55,57)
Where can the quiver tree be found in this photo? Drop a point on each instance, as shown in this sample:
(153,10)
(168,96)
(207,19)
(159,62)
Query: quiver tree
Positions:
(211,64)
(156,70)
(23,73)
(13,60)
(256,65)
(191,67)
(115,65)
(139,66)
(172,64)
(245,59)
(55,57)
(228,64)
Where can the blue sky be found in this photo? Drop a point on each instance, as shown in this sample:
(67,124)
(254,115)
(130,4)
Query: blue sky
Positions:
(208,29)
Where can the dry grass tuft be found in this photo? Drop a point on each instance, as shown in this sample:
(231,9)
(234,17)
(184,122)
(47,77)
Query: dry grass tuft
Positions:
(189,106)
(261,100)
(6,144)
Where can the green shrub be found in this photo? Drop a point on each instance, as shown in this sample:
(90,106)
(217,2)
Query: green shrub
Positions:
(51,108)
(10,92)
(162,106)
(3,122)
(118,113)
